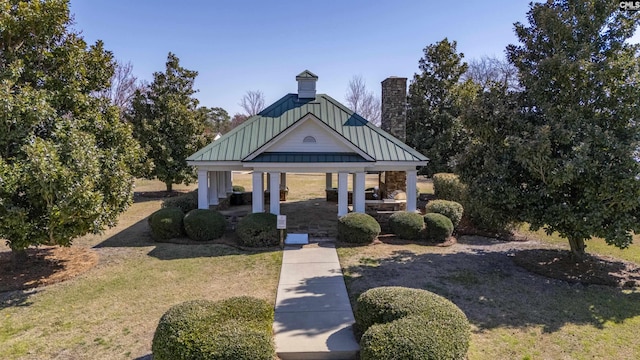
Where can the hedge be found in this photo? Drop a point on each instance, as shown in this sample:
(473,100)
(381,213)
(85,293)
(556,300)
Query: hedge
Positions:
(451,209)
(438,227)
(186,202)
(237,328)
(258,230)
(410,324)
(358,228)
(166,223)
(204,224)
(415,338)
(407,225)
(447,186)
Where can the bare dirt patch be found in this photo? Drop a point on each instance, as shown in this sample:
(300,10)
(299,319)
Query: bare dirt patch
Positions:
(45,266)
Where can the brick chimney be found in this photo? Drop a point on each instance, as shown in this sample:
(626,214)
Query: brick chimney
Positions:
(394,121)
(394,107)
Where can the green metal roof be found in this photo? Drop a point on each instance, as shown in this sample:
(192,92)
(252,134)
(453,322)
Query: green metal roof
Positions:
(307,157)
(258,130)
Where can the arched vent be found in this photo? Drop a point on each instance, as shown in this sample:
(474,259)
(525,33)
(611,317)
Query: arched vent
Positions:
(309,140)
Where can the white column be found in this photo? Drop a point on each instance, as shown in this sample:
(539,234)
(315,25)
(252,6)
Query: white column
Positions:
(329,181)
(229,181)
(258,192)
(203,190)
(222,185)
(358,192)
(274,201)
(343,194)
(412,176)
(283,180)
(213,188)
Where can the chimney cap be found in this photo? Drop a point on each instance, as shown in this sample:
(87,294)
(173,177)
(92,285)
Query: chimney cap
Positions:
(306,75)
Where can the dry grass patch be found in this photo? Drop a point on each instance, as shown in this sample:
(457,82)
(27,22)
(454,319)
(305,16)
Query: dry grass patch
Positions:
(111,311)
(515,314)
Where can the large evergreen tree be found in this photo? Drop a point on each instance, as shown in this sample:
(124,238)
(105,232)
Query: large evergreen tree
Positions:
(65,156)
(168,124)
(436,98)
(562,154)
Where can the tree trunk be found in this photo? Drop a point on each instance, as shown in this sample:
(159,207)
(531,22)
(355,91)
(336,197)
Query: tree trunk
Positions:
(577,249)
(169,186)
(19,258)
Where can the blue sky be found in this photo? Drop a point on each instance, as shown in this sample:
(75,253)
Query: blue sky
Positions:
(261,45)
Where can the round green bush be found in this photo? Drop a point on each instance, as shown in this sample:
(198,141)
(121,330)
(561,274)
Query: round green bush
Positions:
(186,202)
(451,209)
(358,228)
(416,338)
(204,224)
(388,303)
(258,230)
(166,223)
(407,225)
(238,188)
(438,227)
(411,324)
(236,328)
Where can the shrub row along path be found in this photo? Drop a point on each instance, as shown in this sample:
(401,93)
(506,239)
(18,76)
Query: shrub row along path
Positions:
(313,315)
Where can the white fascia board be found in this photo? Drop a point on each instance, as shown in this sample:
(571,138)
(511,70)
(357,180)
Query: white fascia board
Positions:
(395,165)
(308,117)
(217,165)
(307,167)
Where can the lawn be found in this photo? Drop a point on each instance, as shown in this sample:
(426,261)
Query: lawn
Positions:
(111,311)
(514,314)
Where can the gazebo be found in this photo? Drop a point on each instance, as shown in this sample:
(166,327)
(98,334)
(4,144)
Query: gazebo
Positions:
(311,133)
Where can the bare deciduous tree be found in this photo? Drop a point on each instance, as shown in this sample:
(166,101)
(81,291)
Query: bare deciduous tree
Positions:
(238,119)
(363,102)
(488,70)
(123,86)
(252,102)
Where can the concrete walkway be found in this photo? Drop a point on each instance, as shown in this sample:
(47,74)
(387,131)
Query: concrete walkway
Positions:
(313,316)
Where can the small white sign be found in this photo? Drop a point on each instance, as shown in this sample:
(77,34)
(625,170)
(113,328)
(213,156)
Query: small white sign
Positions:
(282,222)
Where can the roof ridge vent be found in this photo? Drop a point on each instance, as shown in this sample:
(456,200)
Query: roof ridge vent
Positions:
(306,85)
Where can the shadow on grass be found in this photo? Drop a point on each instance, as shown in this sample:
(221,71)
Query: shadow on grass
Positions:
(16,298)
(139,235)
(494,292)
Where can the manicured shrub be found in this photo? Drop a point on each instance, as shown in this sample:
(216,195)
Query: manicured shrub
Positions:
(186,202)
(388,303)
(236,328)
(415,338)
(447,186)
(166,223)
(204,224)
(451,209)
(358,228)
(258,230)
(438,227)
(410,324)
(407,225)
(238,188)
